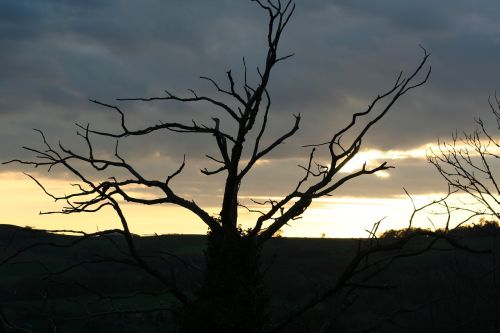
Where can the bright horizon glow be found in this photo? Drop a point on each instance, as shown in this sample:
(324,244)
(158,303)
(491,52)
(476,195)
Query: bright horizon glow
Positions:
(335,217)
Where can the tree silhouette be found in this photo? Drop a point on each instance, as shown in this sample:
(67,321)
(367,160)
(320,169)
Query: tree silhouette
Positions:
(467,163)
(231,297)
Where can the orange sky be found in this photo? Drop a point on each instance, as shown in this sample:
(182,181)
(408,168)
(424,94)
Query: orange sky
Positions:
(346,216)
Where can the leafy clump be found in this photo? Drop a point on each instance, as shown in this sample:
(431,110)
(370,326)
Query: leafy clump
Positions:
(483,228)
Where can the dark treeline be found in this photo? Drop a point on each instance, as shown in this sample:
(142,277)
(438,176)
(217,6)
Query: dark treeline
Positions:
(484,228)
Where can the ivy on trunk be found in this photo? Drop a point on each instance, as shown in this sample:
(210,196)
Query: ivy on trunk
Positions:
(232,296)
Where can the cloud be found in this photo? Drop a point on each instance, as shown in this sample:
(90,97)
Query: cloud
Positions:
(56,54)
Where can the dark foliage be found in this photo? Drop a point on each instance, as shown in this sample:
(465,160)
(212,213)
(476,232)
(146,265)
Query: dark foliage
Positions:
(482,229)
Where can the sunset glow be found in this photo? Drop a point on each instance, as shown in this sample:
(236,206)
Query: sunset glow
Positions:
(339,217)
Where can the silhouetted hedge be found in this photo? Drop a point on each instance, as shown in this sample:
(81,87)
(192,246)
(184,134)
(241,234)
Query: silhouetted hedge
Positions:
(482,229)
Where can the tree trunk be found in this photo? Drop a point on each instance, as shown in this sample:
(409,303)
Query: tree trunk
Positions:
(232,297)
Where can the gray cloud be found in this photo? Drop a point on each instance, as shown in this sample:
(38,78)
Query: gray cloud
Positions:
(56,54)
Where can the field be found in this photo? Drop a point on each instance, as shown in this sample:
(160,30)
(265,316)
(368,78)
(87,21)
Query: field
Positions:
(81,289)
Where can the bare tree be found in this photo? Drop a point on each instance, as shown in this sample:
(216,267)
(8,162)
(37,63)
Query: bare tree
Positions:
(469,162)
(231,297)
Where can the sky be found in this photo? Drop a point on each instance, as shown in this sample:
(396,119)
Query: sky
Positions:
(55,55)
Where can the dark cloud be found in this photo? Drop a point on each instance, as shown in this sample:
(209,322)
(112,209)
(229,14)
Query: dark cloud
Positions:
(56,54)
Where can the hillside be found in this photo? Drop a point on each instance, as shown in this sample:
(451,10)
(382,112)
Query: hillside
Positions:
(51,285)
